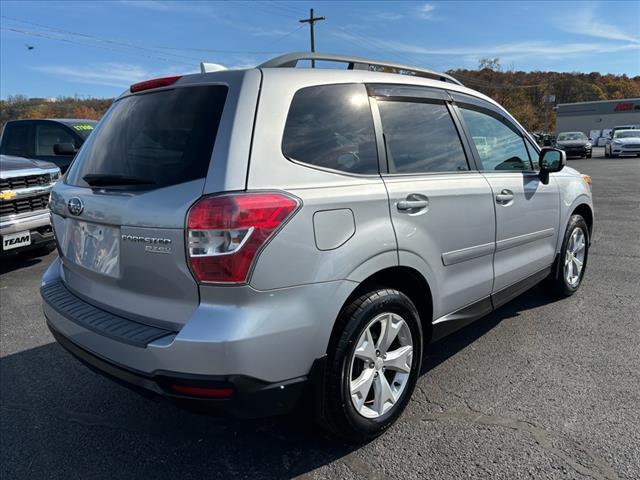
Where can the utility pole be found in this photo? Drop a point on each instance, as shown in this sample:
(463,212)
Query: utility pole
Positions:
(311,20)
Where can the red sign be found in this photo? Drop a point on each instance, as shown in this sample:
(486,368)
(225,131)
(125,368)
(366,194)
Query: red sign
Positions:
(624,107)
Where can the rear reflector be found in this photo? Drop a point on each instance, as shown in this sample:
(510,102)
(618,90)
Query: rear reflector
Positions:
(155,83)
(203,392)
(225,233)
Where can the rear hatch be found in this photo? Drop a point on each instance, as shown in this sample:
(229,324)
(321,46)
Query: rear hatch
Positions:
(119,215)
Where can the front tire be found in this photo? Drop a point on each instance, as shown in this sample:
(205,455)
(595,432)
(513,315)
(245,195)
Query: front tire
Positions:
(572,261)
(372,366)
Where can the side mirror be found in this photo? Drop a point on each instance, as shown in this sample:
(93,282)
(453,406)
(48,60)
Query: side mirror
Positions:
(64,149)
(551,160)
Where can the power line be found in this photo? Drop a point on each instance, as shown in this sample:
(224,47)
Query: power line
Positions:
(77,42)
(85,36)
(153,49)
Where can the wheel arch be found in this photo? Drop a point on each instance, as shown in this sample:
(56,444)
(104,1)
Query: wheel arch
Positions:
(404,279)
(585,211)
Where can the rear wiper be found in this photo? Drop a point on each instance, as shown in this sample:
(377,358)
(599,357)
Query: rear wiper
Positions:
(104,180)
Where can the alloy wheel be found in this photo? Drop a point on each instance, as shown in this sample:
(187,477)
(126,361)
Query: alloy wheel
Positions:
(380,365)
(574,257)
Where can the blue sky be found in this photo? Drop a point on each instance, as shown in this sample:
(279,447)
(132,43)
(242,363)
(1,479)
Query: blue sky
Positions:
(98,48)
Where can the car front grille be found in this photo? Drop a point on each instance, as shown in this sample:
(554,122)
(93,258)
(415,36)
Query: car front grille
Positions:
(24,205)
(24,182)
(632,146)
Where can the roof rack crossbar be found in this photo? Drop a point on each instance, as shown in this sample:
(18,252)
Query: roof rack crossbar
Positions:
(290,60)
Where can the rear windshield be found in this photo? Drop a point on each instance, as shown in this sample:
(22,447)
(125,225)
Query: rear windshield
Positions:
(158,138)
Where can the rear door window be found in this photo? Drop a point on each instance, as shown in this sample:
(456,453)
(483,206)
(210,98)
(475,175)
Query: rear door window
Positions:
(161,138)
(421,138)
(331,126)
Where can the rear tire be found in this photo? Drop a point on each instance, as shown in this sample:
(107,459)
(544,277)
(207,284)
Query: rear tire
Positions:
(370,376)
(572,261)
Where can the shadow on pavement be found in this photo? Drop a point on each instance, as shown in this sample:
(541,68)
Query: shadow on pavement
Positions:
(16,261)
(60,420)
(441,350)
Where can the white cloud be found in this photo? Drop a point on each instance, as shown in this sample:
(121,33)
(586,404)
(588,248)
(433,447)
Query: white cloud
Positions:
(546,49)
(426,11)
(586,22)
(111,74)
(199,8)
(386,16)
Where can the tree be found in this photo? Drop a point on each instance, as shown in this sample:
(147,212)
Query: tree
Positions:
(490,64)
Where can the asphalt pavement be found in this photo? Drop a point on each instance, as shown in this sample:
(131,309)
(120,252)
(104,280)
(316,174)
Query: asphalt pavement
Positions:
(538,389)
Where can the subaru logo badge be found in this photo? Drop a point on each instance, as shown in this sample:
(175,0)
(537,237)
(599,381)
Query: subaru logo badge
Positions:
(75,206)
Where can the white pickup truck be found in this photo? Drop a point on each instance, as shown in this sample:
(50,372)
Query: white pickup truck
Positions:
(24,197)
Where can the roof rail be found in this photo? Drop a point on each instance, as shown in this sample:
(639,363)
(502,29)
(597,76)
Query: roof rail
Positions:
(290,60)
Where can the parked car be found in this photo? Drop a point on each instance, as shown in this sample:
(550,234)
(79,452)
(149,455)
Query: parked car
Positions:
(24,193)
(54,140)
(623,142)
(277,236)
(575,144)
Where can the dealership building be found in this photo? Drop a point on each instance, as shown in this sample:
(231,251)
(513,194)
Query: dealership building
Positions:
(588,116)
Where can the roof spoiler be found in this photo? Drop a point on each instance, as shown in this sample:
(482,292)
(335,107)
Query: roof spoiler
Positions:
(208,67)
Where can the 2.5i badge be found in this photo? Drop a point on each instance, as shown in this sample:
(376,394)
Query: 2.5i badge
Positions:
(16,240)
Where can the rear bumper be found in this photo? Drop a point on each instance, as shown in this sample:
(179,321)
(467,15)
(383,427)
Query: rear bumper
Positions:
(251,398)
(263,343)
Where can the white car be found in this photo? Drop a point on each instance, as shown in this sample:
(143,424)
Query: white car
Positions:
(623,142)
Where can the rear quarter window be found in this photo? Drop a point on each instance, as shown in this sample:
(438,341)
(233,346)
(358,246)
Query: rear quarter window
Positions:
(330,126)
(163,137)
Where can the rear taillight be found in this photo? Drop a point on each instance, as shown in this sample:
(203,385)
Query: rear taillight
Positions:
(225,233)
(155,83)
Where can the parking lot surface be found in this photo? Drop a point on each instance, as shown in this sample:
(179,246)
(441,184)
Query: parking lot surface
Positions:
(540,388)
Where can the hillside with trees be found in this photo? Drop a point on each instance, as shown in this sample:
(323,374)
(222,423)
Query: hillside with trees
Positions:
(522,93)
(18,107)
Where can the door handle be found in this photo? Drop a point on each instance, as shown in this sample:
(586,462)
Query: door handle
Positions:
(413,203)
(505,196)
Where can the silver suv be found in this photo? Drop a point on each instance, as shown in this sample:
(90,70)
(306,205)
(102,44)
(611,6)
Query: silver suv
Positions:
(250,239)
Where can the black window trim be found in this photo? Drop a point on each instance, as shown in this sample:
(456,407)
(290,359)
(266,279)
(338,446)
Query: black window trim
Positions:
(482,106)
(327,169)
(420,94)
